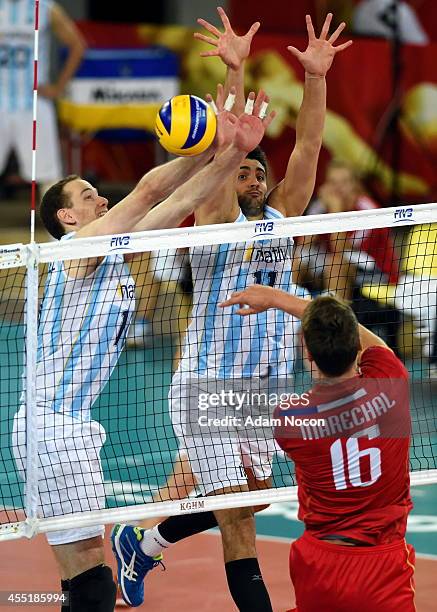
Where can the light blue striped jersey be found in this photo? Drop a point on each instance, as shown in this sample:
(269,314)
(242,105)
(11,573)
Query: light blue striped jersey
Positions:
(16,51)
(220,344)
(81,332)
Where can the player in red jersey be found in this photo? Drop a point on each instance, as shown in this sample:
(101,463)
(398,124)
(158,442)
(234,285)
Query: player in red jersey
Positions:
(352,470)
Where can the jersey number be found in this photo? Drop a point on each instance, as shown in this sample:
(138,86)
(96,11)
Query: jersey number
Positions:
(261,276)
(15,57)
(352,460)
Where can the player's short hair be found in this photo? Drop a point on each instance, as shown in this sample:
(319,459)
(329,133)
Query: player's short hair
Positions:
(331,333)
(53,200)
(259,155)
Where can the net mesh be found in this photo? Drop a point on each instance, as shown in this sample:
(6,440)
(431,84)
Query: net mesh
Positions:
(12,361)
(132,353)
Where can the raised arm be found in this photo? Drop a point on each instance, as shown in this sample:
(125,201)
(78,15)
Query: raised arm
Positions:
(155,186)
(292,195)
(233,50)
(235,137)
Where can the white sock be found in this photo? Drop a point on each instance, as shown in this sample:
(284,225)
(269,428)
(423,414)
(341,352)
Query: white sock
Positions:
(153,543)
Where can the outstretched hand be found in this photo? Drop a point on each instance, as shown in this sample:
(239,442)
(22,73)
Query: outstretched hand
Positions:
(246,131)
(319,55)
(254,299)
(231,48)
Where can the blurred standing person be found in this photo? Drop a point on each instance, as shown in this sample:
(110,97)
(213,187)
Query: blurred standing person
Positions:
(17,24)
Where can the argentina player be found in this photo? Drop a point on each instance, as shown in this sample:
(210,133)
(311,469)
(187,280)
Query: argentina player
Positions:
(218,346)
(85,314)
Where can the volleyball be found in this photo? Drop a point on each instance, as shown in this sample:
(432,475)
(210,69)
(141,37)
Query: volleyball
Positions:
(185,125)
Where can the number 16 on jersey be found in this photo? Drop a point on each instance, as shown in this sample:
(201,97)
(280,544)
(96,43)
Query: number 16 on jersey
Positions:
(346,457)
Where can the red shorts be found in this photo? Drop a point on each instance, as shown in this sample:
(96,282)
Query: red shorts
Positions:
(336,578)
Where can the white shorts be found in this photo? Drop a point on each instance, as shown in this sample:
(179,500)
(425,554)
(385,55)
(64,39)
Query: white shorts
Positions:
(16,134)
(218,462)
(70,475)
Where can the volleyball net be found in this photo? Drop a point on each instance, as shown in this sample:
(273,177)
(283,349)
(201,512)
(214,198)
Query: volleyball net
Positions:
(96,417)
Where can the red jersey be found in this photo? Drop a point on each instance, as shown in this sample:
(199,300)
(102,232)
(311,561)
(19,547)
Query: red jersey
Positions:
(353,476)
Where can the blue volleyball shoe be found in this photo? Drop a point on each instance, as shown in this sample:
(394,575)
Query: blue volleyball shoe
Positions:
(132,563)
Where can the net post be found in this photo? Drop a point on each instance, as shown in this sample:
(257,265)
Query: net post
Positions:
(34,121)
(31,324)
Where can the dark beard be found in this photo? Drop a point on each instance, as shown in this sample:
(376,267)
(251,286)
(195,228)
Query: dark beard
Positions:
(250,206)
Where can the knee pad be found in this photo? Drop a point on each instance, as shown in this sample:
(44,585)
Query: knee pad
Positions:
(91,591)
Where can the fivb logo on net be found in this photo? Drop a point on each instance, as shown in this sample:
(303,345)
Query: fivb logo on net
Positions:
(120,244)
(403,214)
(264,228)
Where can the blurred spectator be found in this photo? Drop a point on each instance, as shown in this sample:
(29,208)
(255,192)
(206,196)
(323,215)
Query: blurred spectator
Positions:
(16,77)
(343,262)
(416,292)
(378,18)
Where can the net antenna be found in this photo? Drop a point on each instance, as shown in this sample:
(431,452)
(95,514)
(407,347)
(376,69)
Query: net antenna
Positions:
(34,122)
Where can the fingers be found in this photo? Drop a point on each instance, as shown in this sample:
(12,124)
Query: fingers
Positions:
(209,53)
(245,311)
(218,106)
(258,107)
(343,46)
(337,33)
(267,120)
(224,18)
(207,39)
(310,29)
(263,110)
(248,110)
(220,97)
(259,102)
(252,30)
(326,25)
(230,100)
(295,51)
(231,300)
(211,102)
(208,26)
